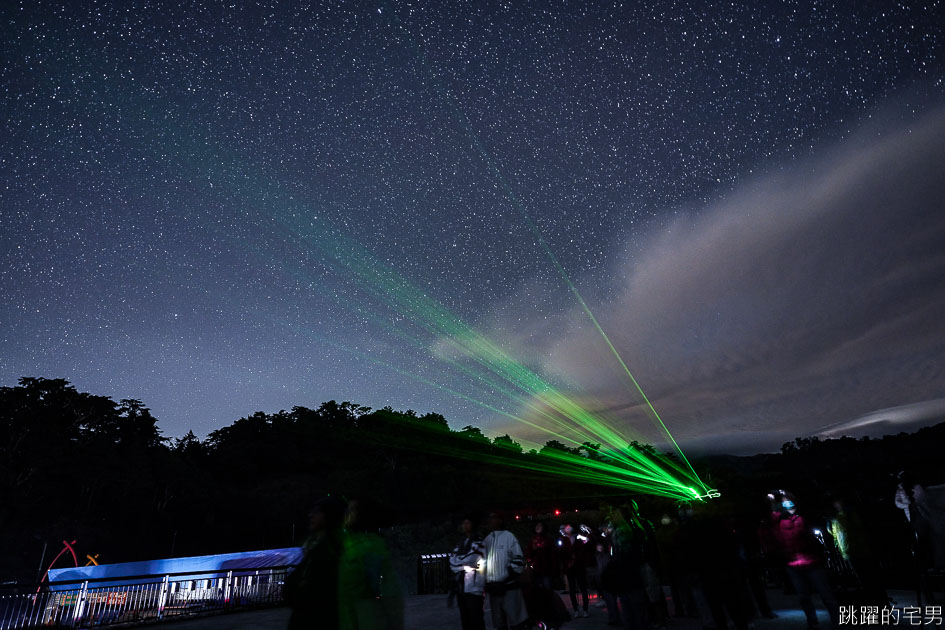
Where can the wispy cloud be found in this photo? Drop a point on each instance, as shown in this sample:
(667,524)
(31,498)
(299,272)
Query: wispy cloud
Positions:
(891,420)
(803,301)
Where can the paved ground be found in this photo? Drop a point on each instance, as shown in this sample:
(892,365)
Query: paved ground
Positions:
(429,612)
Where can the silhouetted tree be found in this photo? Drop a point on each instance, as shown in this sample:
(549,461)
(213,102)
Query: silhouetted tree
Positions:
(473,433)
(507,443)
(77,465)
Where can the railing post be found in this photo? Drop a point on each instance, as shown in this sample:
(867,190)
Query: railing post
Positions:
(227,585)
(49,604)
(162,599)
(98,601)
(80,604)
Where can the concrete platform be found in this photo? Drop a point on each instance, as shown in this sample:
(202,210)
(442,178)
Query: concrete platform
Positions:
(429,612)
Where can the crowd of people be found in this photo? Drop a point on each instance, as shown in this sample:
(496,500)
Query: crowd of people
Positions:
(717,567)
(521,583)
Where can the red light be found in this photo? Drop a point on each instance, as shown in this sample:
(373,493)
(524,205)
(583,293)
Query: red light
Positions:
(517,517)
(557,512)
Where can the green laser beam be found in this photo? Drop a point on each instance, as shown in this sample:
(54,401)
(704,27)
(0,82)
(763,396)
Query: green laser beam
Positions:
(567,414)
(395,291)
(513,198)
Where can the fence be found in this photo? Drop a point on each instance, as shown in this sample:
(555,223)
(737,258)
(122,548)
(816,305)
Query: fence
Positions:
(433,574)
(102,602)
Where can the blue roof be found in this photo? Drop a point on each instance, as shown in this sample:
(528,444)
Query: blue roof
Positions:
(209,566)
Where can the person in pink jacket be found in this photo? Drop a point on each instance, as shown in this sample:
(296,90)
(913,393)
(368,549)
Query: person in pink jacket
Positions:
(804,559)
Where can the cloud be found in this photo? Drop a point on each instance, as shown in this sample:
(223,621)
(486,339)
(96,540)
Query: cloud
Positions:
(904,418)
(804,300)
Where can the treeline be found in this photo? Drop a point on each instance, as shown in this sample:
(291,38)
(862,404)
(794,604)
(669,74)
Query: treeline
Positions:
(76,466)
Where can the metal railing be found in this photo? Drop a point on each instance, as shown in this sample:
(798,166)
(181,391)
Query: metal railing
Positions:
(433,573)
(140,598)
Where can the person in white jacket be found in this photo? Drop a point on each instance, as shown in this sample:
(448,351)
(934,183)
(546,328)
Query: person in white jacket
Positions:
(468,566)
(504,564)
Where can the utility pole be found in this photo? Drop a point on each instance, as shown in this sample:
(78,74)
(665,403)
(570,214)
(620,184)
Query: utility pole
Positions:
(39,573)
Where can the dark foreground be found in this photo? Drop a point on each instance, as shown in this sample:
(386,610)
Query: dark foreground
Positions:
(429,612)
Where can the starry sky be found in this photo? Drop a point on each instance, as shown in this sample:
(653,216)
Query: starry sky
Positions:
(749,196)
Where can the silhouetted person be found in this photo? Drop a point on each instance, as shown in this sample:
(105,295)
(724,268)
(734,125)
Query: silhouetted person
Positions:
(467,562)
(603,557)
(927,520)
(543,603)
(542,557)
(770,537)
(756,563)
(804,559)
(722,570)
(312,588)
(905,494)
(504,566)
(656,601)
(852,539)
(575,556)
(674,566)
(624,574)
(688,543)
(369,594)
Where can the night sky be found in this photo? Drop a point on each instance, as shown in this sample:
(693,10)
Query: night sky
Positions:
(749,196)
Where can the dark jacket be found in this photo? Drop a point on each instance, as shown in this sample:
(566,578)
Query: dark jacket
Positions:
(624,572)
(575,555)
(312,588)
(542,556)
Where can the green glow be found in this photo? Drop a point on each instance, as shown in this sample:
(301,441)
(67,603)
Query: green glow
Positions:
(455,107)
(486,365)
(572,466)
(614,469)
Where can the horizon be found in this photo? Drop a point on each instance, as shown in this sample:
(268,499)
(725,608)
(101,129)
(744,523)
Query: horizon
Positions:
(870,430)
(618,220)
